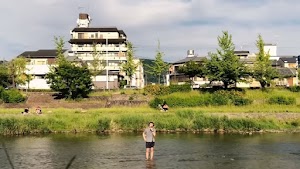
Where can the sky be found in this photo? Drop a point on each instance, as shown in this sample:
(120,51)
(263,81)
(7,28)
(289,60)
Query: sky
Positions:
(179,25)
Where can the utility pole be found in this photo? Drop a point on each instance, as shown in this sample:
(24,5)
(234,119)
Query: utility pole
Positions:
(106,63)
(297,65)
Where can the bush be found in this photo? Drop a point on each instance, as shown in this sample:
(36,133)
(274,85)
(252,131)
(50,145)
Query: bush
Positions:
(294,89)
(240,101)
(283,100)
(156,90)
(180,88)
(103,124)
(12,96)
(164,90)
(218,99)
(154,103)
(194,99)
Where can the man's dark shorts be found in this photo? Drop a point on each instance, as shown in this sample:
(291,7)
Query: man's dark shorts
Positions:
(150,144)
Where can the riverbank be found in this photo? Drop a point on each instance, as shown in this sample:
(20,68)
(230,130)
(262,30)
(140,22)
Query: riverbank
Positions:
(12,122)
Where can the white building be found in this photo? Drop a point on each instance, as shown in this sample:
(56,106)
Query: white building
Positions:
(110,45)
(38,65)
(272,50)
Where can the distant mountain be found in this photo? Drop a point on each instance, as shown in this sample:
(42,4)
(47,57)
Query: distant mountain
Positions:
(149,78)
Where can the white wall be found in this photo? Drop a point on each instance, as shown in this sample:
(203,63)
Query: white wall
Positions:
(36,84)
(37,69)
(272,49)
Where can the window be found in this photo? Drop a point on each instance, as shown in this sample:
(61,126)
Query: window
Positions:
(80,35)
(92,36)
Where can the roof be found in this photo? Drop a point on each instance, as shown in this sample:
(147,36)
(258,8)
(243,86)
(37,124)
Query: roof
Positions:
(73,59)
(43,53)
(241,52)
(122,32)
(187,59)
(103,29)
(289,59)
(286,72)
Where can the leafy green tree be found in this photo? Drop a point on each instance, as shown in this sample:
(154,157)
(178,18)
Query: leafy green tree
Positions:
(129,67)
(4,76)
(262,69)
(224,65)
(192,69)
(60,57)
(16,70)
(159,67)
(70,80)
(97,64)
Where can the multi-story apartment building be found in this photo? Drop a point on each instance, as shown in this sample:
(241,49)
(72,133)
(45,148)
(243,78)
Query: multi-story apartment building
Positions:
(38,65)
(108,44)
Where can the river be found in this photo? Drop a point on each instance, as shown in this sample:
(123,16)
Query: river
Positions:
(207,151)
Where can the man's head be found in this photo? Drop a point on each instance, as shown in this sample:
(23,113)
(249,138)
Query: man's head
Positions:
(151,124)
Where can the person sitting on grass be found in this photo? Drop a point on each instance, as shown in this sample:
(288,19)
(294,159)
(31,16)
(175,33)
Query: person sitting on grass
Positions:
(26,111)
(38,110)
(160,107)
(165,106)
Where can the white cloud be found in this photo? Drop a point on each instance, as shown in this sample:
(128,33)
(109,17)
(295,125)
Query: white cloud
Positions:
(180,25)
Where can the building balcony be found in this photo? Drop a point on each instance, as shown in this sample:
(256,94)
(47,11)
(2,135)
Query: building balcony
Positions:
(101,41)
(99,49)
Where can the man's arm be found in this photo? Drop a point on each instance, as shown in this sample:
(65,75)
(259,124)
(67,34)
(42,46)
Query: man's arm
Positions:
(144,136)
(153,132)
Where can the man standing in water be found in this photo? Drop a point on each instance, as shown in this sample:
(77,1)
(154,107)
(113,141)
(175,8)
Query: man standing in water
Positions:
(149,138)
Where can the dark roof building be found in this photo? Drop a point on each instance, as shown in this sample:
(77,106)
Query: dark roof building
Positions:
(187,59)
(43,53)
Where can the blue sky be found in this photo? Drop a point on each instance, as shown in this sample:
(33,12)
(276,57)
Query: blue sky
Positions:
(178,24)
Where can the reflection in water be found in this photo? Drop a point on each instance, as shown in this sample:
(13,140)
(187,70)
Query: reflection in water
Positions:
(150,164)
(207,151)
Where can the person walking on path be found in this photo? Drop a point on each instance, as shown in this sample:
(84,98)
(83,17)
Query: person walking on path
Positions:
(149,137)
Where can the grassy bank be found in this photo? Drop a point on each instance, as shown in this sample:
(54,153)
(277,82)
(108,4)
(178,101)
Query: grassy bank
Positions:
(135,119)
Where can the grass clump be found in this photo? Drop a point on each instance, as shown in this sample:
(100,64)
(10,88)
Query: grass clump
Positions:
(282,100)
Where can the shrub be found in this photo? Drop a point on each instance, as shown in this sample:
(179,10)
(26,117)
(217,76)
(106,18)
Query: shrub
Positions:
(154,103)
(156,89)
(218,99)
(240,101)
(130,98)
(103,124)
(12,96)
(283,100)
(294,88)
(180,88)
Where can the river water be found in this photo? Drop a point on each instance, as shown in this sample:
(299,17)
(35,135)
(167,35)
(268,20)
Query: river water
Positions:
(207,151)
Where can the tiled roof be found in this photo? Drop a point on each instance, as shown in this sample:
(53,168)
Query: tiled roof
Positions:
(43,53)
(187,59)
(288,59)
(286,72)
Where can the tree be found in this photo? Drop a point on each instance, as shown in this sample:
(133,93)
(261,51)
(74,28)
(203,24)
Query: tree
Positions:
(59,43)
(4,76)
(97,65)
(70,80)
(262,69)
(16,70)
(192,69)
(160,67)
(129,67)
(224,65)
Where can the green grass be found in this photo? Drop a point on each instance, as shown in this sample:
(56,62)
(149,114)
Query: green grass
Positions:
(134,119)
